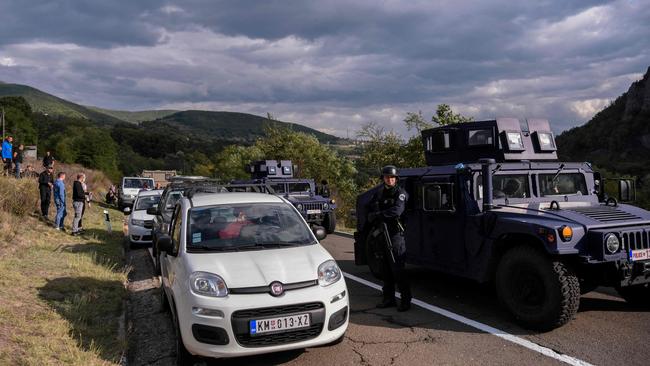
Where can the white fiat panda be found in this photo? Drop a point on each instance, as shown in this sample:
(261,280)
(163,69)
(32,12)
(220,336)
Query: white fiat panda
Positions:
(243,274)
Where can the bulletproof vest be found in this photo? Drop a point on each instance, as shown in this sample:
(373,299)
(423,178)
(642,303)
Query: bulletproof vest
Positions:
(387,198)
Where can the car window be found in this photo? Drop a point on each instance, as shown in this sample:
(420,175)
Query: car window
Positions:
(172,199)
(301,187)
(510,186)
(138,183)
(146,202)
(563,184)
(176,230)
(250,226)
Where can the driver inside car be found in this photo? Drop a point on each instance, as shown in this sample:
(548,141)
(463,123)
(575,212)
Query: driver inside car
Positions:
(233,229)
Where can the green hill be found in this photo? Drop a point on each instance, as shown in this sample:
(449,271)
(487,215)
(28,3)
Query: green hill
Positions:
(135,116)
(232,126)
(52,105)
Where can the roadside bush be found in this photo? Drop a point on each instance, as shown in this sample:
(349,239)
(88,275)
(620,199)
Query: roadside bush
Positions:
(18,196)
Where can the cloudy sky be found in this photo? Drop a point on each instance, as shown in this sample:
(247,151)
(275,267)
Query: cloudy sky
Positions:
(335,64)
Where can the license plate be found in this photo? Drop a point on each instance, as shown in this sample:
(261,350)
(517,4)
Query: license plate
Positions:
(639,255)
(281,323)
(313,212)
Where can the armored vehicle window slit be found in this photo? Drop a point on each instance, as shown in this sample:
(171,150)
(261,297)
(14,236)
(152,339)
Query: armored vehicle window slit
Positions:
(438,197)
(439,141)
(480,137)
(507,186)
(562,184)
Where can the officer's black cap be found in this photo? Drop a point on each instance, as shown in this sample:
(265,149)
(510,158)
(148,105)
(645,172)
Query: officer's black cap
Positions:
(389,170)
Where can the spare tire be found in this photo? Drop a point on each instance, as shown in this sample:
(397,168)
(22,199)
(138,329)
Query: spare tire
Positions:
(539,292)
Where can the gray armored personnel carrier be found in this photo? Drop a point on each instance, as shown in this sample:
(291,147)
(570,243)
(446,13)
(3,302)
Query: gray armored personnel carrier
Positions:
(494,204)
(317,209)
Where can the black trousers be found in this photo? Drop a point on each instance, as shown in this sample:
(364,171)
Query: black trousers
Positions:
(395,273)
(46,196)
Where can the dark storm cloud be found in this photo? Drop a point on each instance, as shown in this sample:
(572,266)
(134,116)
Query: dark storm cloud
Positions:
(332,64)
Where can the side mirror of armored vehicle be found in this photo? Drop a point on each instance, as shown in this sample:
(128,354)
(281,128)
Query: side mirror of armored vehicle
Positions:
(152,211)
(626,190)
(599,188)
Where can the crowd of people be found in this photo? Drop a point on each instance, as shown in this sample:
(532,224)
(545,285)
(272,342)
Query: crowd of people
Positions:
(50,185)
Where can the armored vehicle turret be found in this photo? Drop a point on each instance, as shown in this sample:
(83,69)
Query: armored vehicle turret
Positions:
(495,204)
(314,204)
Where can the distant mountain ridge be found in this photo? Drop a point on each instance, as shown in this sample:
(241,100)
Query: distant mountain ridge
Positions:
(225,126)
(616,138)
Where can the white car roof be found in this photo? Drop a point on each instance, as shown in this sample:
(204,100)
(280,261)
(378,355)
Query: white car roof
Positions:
(209,199)
(150,192)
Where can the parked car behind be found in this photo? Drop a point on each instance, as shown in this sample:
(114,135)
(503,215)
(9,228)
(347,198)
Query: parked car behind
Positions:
(243,274)
(139,221)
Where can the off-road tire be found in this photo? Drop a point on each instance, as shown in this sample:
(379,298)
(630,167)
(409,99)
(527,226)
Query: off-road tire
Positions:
(638,295)
(375,256)
(330,222)
(541,293)
(183,356)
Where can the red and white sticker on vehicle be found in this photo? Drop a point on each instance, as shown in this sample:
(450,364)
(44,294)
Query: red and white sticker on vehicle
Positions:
(639,255)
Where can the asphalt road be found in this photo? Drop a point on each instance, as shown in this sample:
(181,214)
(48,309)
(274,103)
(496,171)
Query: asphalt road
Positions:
(605,331)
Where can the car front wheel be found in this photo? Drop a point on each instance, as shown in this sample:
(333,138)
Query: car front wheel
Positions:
(539,292)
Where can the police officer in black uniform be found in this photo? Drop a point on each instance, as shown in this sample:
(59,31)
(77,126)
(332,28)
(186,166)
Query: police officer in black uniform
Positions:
(386,207)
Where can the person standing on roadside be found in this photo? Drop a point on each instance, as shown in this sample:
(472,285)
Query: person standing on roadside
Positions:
(78,202)
(19,155)
(48,159)
(7,154)
(45,185)
(59,201)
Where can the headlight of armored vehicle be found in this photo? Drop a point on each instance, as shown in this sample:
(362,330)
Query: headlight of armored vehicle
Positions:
(328,273)
(299,206)
(208,284)
(612,243)
(325,206)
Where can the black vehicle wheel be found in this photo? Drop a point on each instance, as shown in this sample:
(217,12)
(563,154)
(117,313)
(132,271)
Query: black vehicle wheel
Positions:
(638,295)
(183,357)
(375,255)
(330,222)
(540,293)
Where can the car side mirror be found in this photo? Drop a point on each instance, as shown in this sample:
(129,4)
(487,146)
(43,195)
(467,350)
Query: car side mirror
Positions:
(127,210)
(152,211)
(626,190)
(165,245)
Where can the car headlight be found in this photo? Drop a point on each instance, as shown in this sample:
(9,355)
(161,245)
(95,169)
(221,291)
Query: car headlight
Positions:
(135,222)
(612,243)
(325,206)
(208,284)
(328,273)
(299,206)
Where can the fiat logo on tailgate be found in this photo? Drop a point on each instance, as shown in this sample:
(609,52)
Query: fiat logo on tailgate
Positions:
(276,288)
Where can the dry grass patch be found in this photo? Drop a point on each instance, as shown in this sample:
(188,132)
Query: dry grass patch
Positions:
(60,296)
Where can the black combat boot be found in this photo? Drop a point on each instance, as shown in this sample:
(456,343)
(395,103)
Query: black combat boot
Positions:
(404,305)
(387,303)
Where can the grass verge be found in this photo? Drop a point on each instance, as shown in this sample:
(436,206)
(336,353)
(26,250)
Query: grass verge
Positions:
(61,296)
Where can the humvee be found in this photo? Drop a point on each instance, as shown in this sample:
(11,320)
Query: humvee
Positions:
(317,209)
(495,204)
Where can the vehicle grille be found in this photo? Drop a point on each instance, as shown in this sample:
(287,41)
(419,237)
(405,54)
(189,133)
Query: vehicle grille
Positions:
(278,310)
(263,340)
(247,340)
(638,239)
(605,213)
(313,206)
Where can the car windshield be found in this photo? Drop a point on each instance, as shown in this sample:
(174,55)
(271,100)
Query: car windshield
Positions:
(510,186)
(138,183)
(563,184)
(145,202)
(301,187)
(250,226)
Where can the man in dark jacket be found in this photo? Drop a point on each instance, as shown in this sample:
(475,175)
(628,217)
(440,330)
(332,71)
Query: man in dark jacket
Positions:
(48,159)
(45,184)
(19,156)
(78,202)
(386,207)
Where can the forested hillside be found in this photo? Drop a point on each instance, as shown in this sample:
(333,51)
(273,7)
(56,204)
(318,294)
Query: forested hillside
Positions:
(617,138)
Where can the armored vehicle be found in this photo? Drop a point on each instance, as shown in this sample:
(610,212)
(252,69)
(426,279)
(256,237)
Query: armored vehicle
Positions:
(495,204)
(317,209)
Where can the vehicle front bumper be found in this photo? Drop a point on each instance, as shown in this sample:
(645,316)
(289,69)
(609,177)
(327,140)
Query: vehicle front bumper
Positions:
(236,328)
(139,234)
